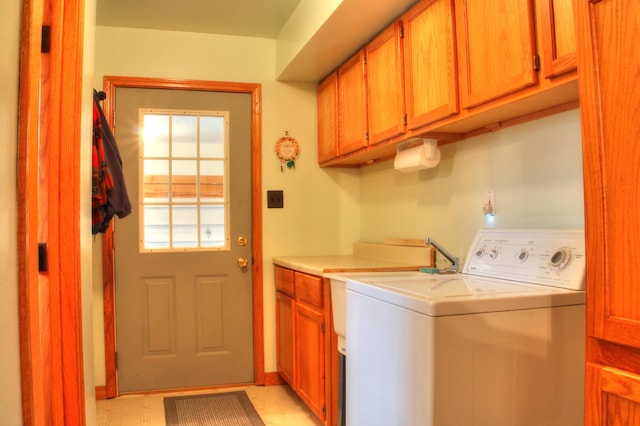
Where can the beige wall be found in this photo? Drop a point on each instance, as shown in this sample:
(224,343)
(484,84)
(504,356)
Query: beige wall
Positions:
(535,170)
(86,241)
(10,402)
(321,213)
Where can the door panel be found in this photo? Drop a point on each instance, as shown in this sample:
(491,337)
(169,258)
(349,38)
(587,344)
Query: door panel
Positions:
(184,318)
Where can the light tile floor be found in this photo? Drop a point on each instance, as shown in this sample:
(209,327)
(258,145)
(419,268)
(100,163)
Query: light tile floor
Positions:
(277,406)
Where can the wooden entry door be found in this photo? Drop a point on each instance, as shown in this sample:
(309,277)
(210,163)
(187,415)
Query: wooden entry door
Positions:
(183,293)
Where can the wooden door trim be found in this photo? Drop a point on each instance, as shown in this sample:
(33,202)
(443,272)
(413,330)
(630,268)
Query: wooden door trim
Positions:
(49,211)
(108,279)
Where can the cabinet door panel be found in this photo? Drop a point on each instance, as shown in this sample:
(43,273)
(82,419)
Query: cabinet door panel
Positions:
(309,289)
(285,337)
(311,365)
(614,398)
(352,105)
(496,46)
(284,280)
(385,84)
(328,118)
(558,37)
(430,62)
(609,86)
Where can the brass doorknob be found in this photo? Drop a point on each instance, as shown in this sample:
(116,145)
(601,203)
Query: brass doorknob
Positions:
(241,241)
(242,262)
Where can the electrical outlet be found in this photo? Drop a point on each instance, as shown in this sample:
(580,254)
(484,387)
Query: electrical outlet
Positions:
(490,204)
(275,199)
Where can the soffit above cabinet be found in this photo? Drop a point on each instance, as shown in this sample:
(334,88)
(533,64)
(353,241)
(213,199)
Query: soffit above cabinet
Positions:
(312,37)
(349,27)
(248,18)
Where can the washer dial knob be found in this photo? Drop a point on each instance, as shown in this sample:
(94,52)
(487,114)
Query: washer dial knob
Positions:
(561,258)
(493,253)
(523,255)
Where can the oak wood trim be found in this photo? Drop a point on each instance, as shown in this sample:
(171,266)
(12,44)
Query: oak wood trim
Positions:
(273,378)
(109,326)
(101,393)
(110,84)
(49,136)
(32,353)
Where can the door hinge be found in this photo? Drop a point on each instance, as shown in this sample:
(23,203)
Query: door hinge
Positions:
(116,359)
(42,257)
(536,62)
(45,45)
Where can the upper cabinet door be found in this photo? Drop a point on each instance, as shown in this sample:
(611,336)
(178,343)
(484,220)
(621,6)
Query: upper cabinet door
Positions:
(558,37)
(328,118)
(385,85)
(352,95)
(430,62)
(496,48)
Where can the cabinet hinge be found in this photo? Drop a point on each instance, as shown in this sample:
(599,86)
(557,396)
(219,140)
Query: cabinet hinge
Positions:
(322,327)
(366,135)
(324,410)
(401,32)
(42,257)
(45,43)
(536,62)
(404,120)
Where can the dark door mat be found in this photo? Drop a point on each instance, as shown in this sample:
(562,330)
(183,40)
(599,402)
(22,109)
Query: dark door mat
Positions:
(214,409)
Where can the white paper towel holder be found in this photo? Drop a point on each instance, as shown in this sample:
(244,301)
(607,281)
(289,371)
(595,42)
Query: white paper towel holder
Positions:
(411,157)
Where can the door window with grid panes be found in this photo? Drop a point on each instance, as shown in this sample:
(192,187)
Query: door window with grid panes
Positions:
(184,180)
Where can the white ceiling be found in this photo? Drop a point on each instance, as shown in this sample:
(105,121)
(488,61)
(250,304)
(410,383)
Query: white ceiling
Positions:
(251,18)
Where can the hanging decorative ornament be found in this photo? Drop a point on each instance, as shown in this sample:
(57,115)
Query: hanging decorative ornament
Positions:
(287,150)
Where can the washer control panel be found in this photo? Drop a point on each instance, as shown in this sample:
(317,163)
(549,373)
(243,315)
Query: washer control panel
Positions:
(553,257)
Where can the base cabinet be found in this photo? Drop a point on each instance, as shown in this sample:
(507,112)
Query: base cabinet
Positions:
(618,400)
(302,322)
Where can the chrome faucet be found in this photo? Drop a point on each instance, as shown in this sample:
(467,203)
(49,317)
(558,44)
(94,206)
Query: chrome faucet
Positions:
(455,267)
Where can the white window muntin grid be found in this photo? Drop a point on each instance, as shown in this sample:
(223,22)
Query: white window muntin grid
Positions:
(170,202)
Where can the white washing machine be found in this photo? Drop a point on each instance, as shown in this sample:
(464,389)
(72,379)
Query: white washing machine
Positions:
(502,343)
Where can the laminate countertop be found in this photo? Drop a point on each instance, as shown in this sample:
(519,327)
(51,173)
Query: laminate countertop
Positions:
(366,257)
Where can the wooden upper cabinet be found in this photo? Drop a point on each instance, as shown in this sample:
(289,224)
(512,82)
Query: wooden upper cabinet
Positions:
(352,104)
(496,48)
(328,118)
(557,30)
(385,84)
(431,78)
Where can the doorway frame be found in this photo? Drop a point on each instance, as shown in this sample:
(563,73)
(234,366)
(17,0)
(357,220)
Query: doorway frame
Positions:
(110,84)
(50,133)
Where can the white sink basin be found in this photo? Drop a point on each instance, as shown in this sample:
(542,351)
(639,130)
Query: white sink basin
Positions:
(339,309)
(339,298)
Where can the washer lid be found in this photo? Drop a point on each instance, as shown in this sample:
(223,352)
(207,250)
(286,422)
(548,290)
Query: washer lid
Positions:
(458,294)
